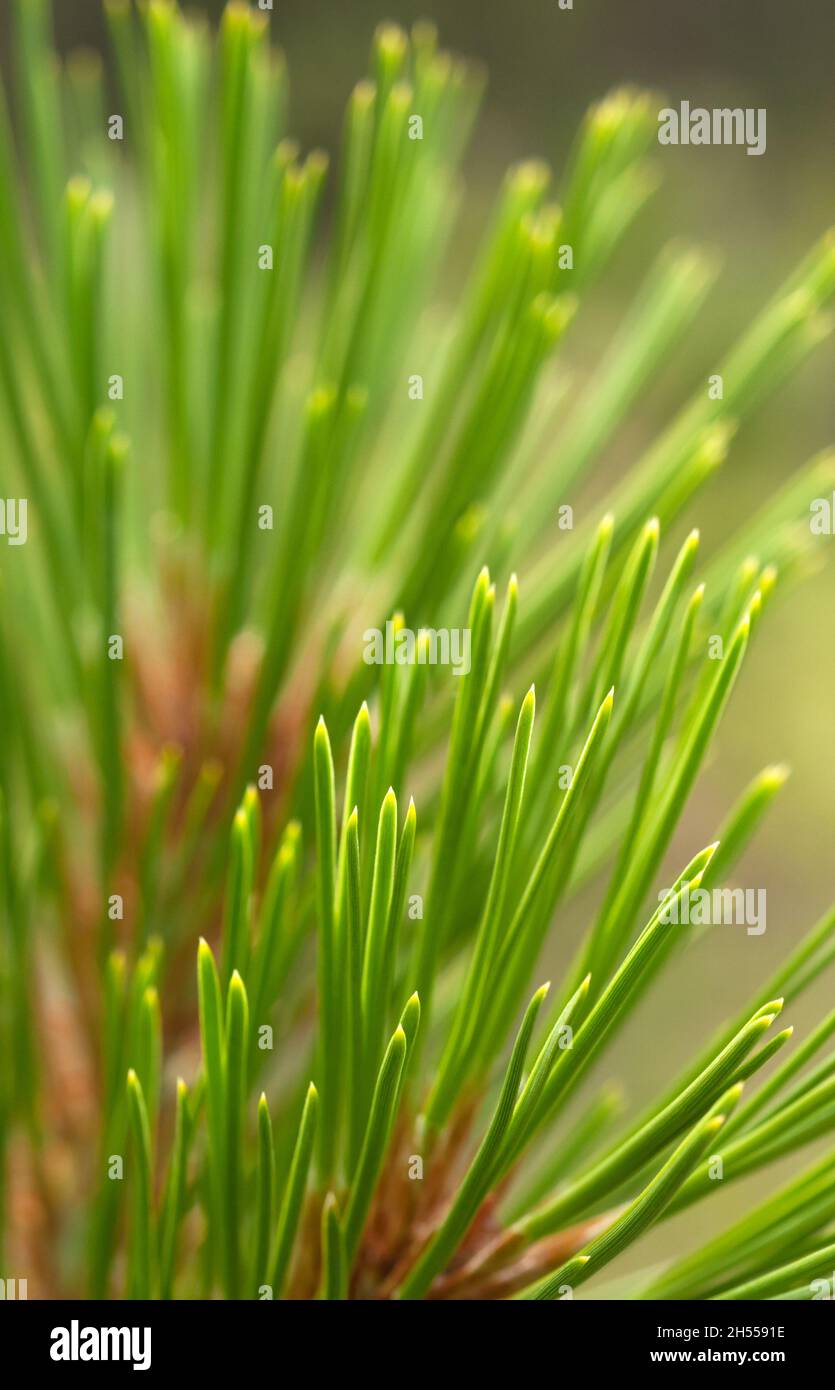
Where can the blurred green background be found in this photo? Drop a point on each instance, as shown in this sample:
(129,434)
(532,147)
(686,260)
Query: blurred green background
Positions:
(760,214)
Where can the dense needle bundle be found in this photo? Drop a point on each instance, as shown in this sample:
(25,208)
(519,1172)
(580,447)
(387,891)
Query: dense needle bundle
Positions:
(236,461)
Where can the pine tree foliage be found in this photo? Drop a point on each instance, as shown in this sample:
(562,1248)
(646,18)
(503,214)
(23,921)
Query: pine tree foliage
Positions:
(274,916)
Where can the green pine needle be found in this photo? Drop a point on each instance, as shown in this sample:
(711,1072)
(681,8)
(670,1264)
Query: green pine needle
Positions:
(269,470)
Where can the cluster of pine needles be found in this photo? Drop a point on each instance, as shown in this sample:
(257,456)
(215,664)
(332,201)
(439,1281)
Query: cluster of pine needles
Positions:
(244,440)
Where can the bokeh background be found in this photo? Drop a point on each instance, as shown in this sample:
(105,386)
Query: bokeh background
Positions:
(761,214)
